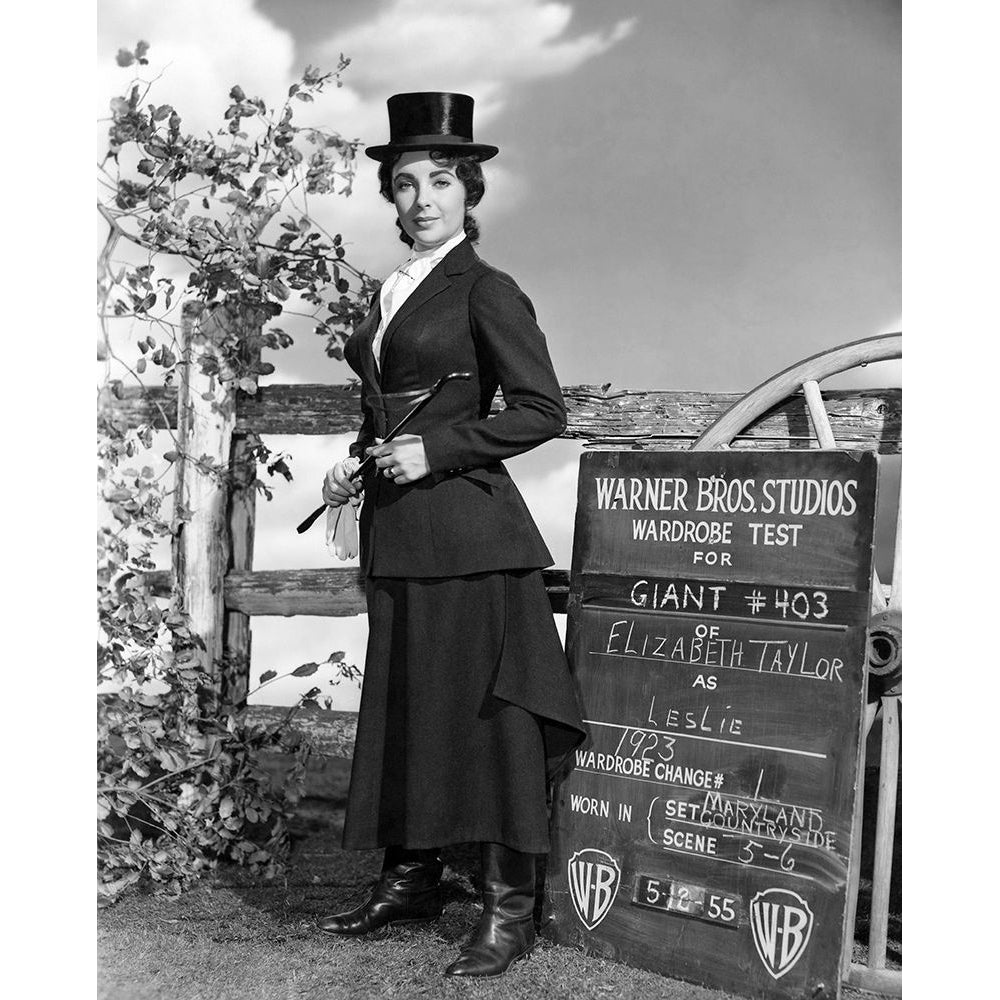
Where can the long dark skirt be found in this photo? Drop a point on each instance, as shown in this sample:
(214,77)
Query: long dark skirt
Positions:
(467,699)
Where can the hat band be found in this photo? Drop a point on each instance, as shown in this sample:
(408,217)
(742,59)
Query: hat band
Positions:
(431,140)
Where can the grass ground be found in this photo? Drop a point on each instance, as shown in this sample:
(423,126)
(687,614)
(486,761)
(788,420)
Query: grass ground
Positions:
(233,937)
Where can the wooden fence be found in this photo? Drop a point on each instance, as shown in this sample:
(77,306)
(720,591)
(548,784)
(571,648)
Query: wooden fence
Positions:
(212,559)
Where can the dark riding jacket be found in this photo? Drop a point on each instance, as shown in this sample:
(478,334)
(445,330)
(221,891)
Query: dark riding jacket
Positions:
(467,516)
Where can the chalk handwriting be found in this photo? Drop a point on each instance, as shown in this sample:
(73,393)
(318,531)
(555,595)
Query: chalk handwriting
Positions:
(764,819)
(706,718)
(642,743)
(709,647)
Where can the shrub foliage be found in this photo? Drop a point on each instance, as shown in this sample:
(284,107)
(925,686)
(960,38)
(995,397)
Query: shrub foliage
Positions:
(180,783)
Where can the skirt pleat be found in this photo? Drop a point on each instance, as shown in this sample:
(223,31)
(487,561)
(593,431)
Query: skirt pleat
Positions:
(467,702)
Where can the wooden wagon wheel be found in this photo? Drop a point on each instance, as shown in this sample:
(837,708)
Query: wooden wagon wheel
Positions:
(885,657)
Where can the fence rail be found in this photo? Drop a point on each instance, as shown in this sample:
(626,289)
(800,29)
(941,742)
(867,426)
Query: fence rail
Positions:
(605,417)
(328,593)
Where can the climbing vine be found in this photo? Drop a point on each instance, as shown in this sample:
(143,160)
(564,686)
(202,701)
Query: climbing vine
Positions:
(199,226)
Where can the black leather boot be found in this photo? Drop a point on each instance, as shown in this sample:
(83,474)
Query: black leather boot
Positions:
(506,931)
(407,890)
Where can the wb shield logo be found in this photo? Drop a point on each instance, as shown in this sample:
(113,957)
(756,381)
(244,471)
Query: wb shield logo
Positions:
(593,884)
(781,922)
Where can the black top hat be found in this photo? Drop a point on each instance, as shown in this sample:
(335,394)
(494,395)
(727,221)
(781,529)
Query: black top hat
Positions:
(431,120)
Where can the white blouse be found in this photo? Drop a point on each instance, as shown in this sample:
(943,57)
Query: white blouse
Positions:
(400,285)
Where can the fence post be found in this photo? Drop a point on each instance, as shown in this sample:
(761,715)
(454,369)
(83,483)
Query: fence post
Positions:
(242,517)
(884,834)
(206,415)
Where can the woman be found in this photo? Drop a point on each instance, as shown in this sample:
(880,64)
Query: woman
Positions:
(467,694)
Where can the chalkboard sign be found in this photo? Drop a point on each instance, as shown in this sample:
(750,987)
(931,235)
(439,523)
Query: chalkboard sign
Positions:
(716,626)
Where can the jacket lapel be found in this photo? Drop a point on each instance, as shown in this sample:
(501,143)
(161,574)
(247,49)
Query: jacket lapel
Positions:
(456,261)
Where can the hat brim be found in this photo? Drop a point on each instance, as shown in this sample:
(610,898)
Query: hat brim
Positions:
(481,151)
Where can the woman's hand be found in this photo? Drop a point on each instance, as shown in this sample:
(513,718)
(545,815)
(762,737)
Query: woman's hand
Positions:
(337,486)
(403,459)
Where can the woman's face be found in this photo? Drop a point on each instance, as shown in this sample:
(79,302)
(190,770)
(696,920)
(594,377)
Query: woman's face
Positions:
(429,198)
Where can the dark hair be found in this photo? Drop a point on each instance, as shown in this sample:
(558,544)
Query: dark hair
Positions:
(467,170)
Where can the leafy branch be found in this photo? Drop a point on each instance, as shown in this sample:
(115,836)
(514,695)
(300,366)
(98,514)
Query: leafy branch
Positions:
(177,792)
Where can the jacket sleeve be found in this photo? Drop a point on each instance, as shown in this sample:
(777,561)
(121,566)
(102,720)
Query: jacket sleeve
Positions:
(512,348)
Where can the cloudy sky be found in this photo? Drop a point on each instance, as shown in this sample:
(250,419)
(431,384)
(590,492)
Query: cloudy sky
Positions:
(694,195)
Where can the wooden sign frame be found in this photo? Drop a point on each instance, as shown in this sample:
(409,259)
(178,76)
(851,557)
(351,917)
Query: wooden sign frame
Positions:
(717,620)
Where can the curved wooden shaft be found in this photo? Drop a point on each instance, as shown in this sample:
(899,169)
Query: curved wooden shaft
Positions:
(778,387)
(818,414)
(806,375)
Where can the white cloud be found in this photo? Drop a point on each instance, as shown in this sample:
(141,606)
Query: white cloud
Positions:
(551,498)
(479,47)
(472,46)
